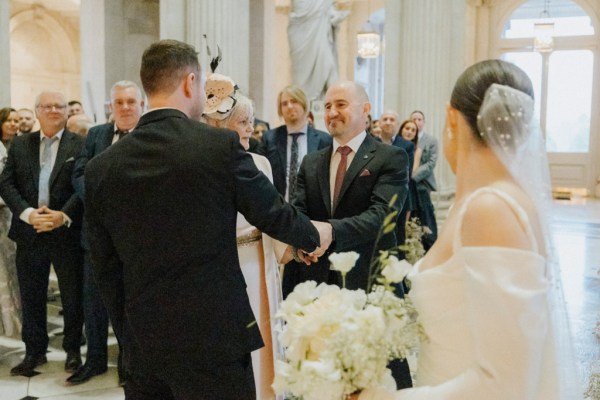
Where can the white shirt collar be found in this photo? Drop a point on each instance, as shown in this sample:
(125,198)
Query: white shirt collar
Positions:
(58,135)
(354,144)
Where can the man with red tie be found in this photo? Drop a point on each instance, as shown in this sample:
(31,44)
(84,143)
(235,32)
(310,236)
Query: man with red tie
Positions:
(350,185)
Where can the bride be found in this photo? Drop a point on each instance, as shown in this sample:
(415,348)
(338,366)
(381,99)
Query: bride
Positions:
(487,293)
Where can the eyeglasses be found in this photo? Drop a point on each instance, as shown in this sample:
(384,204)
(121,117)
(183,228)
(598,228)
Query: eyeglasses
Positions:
(51,107)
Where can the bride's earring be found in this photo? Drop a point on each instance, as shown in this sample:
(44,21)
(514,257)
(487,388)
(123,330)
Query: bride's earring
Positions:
(450,133)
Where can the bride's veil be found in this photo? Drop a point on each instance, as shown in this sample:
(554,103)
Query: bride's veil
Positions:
(507,125)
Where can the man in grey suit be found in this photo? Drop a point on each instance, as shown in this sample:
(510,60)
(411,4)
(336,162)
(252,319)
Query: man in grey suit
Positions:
(127,103)
(425,178)
(286,145)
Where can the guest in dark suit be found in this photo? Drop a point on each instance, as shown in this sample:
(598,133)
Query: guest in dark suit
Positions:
(46,223)
(161,208)
(126,104)
(350,185)
(286,145)
(390,134)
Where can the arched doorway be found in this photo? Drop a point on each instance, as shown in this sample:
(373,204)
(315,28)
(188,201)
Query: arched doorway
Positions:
(44,47)
(565,81)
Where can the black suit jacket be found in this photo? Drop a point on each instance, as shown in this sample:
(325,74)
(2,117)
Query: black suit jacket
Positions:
(409,147)
(19,186)
(274,147)
(376,173)
(161,208)
(99,138)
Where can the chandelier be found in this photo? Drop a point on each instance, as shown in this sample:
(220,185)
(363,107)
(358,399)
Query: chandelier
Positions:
(368,40)
(543,40)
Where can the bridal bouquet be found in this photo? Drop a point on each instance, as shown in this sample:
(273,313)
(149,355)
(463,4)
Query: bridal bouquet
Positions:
(339,341)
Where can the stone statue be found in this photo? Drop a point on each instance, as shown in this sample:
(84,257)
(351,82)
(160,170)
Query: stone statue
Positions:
(311,34)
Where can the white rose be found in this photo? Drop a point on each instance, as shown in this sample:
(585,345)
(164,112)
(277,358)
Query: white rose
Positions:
(343,262)
(395,270)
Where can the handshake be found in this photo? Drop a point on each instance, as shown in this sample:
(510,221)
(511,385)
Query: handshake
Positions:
(325,233)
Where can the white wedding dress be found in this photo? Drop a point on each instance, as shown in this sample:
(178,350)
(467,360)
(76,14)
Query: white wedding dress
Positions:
(259,267)
(486,314)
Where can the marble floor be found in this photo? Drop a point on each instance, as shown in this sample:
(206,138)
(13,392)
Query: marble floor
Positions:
(576,229)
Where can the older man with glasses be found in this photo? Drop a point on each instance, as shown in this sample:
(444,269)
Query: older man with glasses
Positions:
(46,223)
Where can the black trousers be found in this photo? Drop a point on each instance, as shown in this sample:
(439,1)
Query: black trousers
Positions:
(33,270)
(233,381)
(426,215)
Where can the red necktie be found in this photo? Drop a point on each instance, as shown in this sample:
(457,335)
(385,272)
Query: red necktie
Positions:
(341,172)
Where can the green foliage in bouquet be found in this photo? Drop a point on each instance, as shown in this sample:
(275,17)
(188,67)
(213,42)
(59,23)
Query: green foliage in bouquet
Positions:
(413,245)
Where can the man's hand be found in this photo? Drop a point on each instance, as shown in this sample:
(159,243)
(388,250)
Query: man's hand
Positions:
(326,234)
(44,219)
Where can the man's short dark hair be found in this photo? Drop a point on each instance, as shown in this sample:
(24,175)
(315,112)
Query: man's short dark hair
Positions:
(165,63)
(73,102)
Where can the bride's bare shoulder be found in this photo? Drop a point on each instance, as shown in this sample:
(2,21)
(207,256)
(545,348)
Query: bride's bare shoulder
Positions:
(498,218)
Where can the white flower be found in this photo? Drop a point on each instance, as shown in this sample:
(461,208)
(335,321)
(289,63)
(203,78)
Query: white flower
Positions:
(343,262)
(395,270)
(339,341)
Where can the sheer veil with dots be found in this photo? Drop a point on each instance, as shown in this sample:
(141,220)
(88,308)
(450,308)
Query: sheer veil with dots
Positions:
(507,125)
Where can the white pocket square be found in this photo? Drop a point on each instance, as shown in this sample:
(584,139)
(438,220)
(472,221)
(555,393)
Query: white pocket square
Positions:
(70,159)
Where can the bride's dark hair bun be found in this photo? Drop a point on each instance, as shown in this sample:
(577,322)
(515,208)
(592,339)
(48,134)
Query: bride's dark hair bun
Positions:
(470,88)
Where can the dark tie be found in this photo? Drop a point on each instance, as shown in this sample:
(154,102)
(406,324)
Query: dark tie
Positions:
(293,178)
(45,171)
(121,133)
(341,172)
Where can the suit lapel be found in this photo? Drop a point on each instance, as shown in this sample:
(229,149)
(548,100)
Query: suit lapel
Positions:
(312,140)
(107,138)
(34,151)
(323,165)
(281,139)
(363,156)
(61,156)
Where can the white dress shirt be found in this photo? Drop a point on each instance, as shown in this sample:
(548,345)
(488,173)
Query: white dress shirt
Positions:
(336,157)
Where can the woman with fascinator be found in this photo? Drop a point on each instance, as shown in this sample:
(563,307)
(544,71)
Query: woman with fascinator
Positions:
(488,292)
(227,109)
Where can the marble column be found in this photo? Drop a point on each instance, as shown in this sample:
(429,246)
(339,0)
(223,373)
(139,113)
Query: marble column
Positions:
(227,24)
(5,51)
(425,53)
(114,35)
(93,55)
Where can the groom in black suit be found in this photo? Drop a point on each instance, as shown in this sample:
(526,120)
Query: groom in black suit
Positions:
(161,208)
(350,185)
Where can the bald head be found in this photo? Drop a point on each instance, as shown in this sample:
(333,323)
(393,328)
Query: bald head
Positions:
(390,125)
(347,109)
